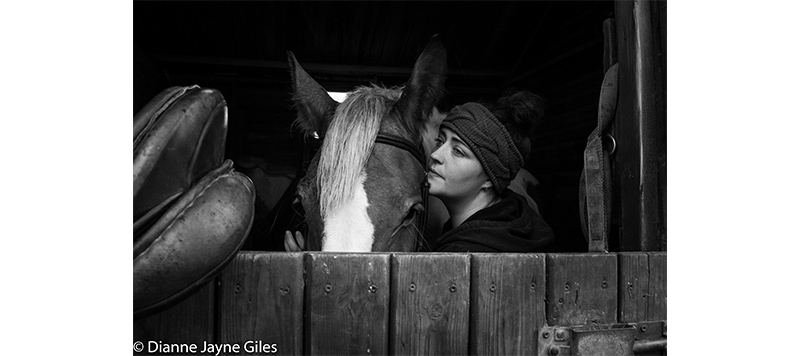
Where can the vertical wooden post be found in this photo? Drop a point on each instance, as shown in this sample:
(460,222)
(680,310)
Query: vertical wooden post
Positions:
(609,44)
(581,289)
(430,304)
(347,299)
(640,127)
(261,300)
(506,303)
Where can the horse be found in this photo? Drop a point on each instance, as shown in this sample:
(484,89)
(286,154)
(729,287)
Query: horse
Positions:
(364,189)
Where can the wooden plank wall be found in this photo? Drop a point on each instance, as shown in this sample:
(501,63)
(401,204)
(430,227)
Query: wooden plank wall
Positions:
(581,289)
(347,304)
(188,322)
(430,304)
(379,303)
(507,303)
(261,299)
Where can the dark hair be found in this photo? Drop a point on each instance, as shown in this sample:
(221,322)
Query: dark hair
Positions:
(520,111)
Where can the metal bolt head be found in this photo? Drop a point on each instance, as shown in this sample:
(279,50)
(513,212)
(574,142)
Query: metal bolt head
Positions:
(453,288)
(643,328)
(373,288)
(493,287)
(545,334)
(604,285)
(566,287)
(561,334)
(412,287)
(328,288)
(237,289)
(553,350)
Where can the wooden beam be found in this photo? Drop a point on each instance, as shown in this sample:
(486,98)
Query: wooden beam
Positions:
(313,68)
(640,130)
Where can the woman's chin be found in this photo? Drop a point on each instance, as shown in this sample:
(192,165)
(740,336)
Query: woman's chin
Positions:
(435,183)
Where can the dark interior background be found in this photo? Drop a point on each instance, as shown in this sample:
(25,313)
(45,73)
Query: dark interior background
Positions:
(554,49)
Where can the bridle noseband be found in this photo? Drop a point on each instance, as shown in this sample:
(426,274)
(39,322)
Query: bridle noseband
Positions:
(417,152)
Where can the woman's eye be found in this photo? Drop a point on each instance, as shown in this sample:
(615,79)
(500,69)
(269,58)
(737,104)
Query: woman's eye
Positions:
(458,152)
(438,141)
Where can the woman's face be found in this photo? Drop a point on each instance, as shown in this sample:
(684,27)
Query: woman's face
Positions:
(455,171)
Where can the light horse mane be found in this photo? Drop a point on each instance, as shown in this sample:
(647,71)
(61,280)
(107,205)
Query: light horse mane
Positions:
(348,143)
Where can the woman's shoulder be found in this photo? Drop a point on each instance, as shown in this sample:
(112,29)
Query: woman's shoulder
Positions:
(508,226)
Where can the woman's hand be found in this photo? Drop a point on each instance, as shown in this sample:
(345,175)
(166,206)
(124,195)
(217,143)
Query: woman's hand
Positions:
(294,243)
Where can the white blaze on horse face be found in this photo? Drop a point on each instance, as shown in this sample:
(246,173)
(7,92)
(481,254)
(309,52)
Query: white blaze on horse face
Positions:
(349,228)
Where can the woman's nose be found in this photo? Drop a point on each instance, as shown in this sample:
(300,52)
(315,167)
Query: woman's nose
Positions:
(436,155)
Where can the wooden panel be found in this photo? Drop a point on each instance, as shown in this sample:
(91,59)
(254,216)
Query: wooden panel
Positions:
(506,303)
(639,217)
(643,286)
(190,322)
(581,289)
(430,304)
(261,303)
(347,301)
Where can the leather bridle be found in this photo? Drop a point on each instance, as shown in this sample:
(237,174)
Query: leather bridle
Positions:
(418,153)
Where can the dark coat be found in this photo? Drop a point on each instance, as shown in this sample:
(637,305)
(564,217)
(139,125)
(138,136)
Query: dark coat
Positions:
(508,226)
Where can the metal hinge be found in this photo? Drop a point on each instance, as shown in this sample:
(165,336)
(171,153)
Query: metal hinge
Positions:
(643,338)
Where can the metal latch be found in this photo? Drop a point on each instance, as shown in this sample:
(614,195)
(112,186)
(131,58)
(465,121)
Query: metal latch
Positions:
(614,339)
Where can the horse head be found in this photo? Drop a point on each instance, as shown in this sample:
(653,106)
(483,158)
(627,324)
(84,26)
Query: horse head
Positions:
(360,195)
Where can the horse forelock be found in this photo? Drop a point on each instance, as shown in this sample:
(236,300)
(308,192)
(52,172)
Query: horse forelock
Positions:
(348,144)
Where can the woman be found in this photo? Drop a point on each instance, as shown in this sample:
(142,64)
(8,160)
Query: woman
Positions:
(475,160)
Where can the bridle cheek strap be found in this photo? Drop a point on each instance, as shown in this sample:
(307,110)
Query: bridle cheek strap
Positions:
(417,152)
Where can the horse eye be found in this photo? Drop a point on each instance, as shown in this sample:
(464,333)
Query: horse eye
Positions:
(297,205)
(412,214)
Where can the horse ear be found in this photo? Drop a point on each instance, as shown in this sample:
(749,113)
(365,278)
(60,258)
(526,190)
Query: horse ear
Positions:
(315,107)
(426,85)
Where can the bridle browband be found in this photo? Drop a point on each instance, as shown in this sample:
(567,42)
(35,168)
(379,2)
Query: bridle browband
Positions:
(417,152)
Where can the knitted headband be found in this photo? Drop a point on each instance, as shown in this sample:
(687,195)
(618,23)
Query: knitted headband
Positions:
(488,139)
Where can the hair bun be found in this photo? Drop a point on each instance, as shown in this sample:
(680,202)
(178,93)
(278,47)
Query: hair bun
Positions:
(520,111)
(523,108)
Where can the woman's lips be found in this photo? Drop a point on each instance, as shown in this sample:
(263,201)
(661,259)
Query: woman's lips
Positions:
(432,172)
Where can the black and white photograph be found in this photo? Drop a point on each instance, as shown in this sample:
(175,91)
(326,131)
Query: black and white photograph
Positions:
(399,177)
(416,177)
(433,178)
